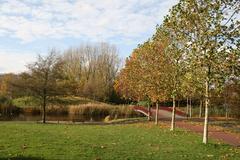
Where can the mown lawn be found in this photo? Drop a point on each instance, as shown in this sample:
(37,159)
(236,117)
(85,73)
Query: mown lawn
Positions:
(24,140)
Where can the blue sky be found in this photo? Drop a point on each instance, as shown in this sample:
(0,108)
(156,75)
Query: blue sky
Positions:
(31,27)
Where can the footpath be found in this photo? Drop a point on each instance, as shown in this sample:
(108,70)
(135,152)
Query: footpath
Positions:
(217,133)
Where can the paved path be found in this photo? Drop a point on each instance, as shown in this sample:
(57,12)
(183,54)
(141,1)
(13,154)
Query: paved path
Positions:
(214,132)
(196,125)
(165,114)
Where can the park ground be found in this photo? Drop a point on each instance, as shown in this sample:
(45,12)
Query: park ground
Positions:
(29,140)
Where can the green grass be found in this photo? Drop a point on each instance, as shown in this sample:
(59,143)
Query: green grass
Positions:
(136,141)
(26,102)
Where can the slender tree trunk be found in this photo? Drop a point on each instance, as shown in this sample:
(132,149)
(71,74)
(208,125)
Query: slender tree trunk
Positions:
(200,109)
(44,110)
(178,104)
(149,112)
(173,114)
(205,130)
(226,107)
(190,107)
(187,108)
(156,114)
(226,114)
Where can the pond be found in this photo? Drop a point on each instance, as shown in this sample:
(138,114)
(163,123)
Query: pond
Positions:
(66,117)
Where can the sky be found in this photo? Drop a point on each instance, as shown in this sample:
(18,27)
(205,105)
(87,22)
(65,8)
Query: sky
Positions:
(32,27)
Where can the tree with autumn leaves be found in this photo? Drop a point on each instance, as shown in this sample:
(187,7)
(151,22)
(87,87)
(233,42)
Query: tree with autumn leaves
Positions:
(193,53)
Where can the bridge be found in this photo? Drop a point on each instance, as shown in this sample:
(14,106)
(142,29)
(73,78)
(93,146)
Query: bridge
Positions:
(163,112)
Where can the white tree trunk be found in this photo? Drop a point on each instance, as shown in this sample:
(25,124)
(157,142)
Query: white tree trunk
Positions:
(190,108)
(200,109)
(205,129)
(226,107)
(227,113)
(156,115)
(149,112)
(173,114)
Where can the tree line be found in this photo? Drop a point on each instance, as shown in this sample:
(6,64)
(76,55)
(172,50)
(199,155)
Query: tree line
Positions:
(86,71)
(194,54)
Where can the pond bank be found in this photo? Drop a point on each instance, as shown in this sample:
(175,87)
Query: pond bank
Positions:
(117,121)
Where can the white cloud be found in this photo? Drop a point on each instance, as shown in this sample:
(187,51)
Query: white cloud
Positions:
(122,22)
(30,20)
(14,61)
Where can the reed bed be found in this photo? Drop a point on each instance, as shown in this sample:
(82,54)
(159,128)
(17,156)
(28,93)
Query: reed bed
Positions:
(89,110)
(102,109)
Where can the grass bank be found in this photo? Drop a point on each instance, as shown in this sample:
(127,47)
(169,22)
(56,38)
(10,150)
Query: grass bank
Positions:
(134,141)
(28,102)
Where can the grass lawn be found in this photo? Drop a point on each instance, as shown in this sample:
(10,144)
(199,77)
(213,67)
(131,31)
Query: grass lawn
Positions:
(25,140)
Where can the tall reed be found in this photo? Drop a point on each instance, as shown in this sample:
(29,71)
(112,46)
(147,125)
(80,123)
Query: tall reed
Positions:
(102,109)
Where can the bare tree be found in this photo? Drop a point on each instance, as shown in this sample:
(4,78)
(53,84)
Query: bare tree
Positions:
(93,68)
(43,79)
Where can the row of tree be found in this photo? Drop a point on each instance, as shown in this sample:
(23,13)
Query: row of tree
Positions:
(194,53)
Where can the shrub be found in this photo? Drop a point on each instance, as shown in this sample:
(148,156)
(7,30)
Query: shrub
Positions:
(7,108)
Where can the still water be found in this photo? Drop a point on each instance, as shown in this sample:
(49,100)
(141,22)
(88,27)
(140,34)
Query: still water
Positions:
(69,117)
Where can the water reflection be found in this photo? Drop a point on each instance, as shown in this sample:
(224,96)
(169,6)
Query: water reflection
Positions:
(70,117)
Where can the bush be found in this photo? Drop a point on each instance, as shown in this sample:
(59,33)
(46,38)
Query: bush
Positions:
(7,108)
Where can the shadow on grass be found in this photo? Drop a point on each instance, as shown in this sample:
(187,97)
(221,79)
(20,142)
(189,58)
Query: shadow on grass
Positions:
(21,158)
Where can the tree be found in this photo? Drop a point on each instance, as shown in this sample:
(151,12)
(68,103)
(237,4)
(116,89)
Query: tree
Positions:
(143,75)
(210,32)
(6,88)
(43,79)
(176,57)
(91,69)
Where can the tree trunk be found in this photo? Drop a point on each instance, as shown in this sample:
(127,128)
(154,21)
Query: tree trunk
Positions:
(226,107)
(187,108)
(44,110)
(156,114)
(205,130)
(200,109)
(173,114)
(226,114)
(149,112)
(190,107)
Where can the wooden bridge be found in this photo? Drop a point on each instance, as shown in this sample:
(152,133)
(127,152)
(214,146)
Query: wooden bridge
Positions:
(163,112)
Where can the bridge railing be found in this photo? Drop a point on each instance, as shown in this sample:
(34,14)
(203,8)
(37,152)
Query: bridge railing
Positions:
(169,109)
